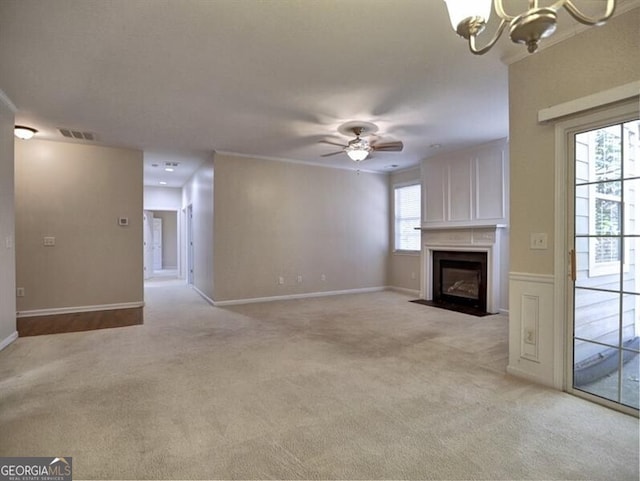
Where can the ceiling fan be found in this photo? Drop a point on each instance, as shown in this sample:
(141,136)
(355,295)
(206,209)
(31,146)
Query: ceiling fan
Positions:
(359,148)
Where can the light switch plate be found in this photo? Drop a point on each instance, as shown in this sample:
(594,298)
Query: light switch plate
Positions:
(538,241)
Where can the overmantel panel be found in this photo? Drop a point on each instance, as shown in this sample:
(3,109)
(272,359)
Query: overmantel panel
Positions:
(434,181)
(466,188)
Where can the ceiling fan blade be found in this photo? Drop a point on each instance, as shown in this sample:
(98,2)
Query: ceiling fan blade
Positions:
(331,143)
(332,153)
(396,146)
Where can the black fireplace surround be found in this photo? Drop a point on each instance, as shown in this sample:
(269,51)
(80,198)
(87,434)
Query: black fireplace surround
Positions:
(460,278)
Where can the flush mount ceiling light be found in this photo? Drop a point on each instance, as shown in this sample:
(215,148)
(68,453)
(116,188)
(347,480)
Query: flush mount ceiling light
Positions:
(24,133)
(469,18)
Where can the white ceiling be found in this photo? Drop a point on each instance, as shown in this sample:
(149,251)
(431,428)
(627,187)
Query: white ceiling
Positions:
(182,78)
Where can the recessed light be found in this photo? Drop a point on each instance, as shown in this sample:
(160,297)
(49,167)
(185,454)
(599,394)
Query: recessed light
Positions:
(435,146)
(168,169)
(162,182)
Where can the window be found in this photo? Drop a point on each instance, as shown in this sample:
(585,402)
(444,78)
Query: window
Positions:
(604,172)
(407,217)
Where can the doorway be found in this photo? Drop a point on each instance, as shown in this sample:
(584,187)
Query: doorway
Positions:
(603,236)
(161,236)
(190,246)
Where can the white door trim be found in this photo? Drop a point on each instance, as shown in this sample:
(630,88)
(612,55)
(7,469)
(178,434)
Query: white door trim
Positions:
(563,335)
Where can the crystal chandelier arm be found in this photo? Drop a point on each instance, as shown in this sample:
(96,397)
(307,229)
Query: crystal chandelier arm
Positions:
(472,39)
(575,13)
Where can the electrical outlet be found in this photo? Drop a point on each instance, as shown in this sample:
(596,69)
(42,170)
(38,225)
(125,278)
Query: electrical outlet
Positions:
(20,292)
(299,279)
(529,336)
(280,280)
(49,241)
(413,275)
(323,277)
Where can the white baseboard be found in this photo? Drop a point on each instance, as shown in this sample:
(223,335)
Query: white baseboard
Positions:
(203,295)
(73,310)
(8,340)
(514,371)
(306,295)
(404,290)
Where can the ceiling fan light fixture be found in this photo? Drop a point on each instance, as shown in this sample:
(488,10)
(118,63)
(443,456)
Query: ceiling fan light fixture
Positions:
(469,18)
(23,132)
(358,155)
(358,149)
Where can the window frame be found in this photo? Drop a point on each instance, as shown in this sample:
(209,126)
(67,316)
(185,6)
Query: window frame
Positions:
(401,185)
(605,268)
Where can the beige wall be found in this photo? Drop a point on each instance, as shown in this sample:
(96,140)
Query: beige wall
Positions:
(286,219)
(76,193)
(404,268)
(597,59)
(7,227)
(198,192)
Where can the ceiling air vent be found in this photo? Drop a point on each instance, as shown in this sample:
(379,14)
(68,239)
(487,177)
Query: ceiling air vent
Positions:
(171,164)
(77,134)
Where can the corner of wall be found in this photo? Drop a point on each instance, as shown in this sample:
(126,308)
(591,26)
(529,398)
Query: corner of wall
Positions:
(7,224)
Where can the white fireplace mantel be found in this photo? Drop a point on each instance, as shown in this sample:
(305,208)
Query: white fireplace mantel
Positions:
(478,238)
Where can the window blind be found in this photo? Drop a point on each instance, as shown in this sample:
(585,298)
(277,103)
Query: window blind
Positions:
(407,217)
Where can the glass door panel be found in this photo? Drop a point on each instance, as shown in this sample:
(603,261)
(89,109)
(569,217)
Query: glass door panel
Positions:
(606,289)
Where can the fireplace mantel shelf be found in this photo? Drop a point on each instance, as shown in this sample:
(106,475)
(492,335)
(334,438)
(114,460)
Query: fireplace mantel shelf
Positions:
(460,227)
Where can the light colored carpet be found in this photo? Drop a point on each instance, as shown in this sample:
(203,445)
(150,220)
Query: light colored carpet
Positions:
(364,386)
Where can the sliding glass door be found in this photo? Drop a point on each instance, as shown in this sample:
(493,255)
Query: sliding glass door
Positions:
(605,263)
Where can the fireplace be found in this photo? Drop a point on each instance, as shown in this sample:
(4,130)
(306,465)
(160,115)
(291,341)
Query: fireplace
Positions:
(475,263)
(460,278)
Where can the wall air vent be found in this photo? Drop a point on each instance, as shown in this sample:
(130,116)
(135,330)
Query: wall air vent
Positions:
(77,134)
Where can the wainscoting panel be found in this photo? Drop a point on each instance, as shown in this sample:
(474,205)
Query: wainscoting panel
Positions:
(530,326)
(532,344)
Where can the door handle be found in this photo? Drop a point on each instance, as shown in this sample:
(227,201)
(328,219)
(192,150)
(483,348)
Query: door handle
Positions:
(572,260)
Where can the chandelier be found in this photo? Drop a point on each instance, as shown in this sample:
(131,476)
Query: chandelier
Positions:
(469,18)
